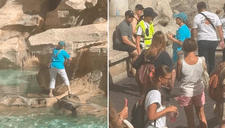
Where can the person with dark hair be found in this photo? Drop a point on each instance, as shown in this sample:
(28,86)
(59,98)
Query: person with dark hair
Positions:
(158,47)
(124,38)
(154,101)
(222,19)
(189,72)
(182,33)
(204,26)
(137,14)
(57,67)
(145,29)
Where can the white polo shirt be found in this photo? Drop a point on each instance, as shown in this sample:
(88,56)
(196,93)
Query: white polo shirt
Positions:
(204,28)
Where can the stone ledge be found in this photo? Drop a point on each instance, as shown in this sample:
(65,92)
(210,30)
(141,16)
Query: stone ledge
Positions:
(115,56)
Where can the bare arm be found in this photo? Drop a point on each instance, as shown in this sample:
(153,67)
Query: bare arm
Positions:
(70,59)
(138,38)
(193,33)
(220,31)
(179,66)
(134,24)
(127,41)
(153,115)
(174,40)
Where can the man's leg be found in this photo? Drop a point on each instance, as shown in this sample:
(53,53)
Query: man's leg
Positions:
(203,50)
(211,55)
(134,56)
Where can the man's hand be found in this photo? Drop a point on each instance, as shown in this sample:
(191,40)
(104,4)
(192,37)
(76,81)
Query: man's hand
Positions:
(218,11)
(222,44)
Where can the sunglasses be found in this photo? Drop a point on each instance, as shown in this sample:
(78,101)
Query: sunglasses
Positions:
(168,79)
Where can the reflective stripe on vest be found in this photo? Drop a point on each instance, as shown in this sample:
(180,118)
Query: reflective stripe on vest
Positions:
(147,39)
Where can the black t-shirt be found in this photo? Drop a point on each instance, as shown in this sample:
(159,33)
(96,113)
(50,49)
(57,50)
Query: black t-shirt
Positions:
(163,59)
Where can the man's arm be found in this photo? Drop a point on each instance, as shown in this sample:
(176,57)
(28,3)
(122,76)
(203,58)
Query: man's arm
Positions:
(193,33)
(138,38)
(134,24)
(220,31)
(127,41)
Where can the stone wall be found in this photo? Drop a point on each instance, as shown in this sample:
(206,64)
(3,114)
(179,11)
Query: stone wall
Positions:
(21,21)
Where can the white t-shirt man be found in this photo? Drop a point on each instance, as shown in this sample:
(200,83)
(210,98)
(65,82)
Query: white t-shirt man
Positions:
(222,19)
(154,96)
(204,28)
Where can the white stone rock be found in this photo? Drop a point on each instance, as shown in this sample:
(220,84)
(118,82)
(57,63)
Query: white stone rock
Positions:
(75,38)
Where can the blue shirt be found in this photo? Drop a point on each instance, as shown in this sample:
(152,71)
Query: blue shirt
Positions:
(182,33)
(58,61)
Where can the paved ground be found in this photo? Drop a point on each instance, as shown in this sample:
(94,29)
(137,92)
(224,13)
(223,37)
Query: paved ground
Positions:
(127,88)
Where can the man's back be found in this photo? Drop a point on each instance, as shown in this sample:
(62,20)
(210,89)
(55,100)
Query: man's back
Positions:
(205,29)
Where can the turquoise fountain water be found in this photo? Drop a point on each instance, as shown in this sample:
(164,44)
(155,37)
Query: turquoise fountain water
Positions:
(22,82)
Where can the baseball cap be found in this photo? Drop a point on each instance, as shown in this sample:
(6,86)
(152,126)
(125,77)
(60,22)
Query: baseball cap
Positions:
(62,43)
(181,15)
(150,12)
(129,13)
(139,7)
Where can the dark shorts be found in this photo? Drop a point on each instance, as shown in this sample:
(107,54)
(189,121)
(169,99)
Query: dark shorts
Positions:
(124,47)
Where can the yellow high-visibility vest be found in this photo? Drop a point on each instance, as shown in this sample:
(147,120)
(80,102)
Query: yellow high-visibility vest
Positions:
(147,39)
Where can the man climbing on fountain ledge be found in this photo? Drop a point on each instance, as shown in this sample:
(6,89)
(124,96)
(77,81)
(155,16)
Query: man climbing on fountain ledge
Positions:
(57,67)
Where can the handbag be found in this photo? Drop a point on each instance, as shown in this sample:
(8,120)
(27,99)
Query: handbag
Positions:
(205,75)
(54,56)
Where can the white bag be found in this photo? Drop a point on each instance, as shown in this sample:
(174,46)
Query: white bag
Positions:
(205,75)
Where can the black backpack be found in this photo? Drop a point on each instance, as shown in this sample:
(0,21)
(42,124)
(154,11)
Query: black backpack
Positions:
(138,114)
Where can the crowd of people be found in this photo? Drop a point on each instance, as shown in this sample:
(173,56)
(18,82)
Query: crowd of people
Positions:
(137,36)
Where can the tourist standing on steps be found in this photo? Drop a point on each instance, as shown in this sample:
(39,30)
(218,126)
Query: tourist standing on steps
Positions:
(57,66)
(124,38)
(182,33)
(204,26)
(145,29)
(189,72)
(222,19)
(137,14)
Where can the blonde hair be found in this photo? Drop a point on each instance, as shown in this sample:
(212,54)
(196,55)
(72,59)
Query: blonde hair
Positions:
(158,42)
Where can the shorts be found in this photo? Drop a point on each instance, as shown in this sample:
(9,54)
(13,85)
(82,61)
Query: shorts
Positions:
(123,47)
(198,100)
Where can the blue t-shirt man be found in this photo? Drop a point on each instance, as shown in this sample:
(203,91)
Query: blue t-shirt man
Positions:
(58,61)
(182,33)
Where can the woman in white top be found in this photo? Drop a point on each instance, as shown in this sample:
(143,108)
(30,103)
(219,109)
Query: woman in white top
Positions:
(154,107)
(189,72)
